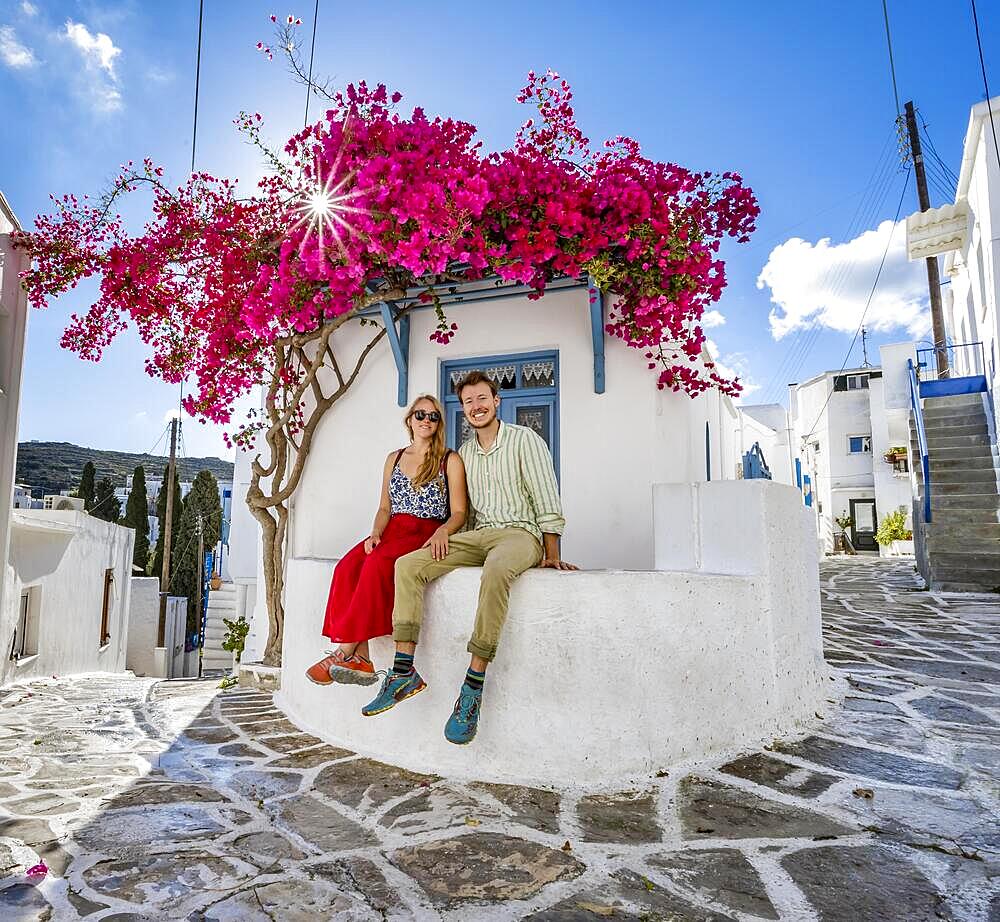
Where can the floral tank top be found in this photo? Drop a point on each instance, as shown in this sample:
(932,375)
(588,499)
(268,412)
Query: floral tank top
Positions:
(428,502)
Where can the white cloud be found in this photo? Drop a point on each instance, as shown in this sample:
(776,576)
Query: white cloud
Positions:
(828,284)
(732,365)
(712,319)
(96,49)
(29,9)
(99,52)
(12,52)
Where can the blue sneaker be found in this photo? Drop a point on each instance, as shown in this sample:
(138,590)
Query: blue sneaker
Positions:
(395,688)
(464,721)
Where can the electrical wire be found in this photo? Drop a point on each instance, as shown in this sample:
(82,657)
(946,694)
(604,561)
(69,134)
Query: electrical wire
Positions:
(892,66)
(197,83)
(836,276)
(949,172)
(312,52)
(774,384)
(986,85)
(864,313)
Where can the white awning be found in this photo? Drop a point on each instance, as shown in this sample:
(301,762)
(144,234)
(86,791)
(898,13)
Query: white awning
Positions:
(937,230)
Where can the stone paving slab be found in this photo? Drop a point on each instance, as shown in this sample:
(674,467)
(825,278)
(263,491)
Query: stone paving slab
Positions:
(175,800)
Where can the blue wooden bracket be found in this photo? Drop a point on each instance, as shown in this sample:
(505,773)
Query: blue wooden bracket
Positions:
(597,332)
(399,342)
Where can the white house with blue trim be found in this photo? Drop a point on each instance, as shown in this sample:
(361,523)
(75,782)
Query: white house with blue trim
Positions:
(689,570)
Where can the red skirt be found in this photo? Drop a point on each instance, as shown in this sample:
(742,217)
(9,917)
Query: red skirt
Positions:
(362,591)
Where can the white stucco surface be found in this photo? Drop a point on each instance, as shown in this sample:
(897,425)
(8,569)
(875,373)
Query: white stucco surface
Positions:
(64,556)
(606,675)
(143,624)
(621,441)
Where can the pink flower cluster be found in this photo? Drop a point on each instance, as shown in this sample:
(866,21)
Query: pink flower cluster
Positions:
(369,195)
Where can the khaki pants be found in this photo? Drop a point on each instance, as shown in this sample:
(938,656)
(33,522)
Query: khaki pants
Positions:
(503,553)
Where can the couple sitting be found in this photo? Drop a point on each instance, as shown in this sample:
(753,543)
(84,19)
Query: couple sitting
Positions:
(515,523)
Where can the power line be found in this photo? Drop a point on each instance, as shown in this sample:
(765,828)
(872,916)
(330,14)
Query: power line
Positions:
(837,276)
(312,51)
(986,85)
(805,340)
(197,83)
(871,294)
(925,131)
(892,66)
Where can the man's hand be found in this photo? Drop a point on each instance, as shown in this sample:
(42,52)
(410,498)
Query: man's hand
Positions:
(554,563)
(438,543)
(372,542)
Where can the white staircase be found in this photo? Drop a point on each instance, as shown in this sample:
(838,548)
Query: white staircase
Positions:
(221,604)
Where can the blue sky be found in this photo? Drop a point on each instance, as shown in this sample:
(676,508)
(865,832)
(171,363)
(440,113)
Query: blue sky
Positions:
(795,96)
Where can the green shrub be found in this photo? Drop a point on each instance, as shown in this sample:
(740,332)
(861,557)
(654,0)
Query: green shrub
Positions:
(893,528)
(236,636)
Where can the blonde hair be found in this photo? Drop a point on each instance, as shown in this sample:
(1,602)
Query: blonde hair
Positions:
(428,471)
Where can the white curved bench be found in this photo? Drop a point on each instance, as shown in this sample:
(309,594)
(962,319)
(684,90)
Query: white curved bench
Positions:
(601,677)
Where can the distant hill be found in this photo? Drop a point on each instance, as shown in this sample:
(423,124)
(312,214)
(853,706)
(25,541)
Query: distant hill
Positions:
(50,467)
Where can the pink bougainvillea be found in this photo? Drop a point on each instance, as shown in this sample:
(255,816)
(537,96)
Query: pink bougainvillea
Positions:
(368,197)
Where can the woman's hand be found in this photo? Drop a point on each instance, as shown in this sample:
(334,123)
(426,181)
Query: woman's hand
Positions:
(438,543)
(372,541)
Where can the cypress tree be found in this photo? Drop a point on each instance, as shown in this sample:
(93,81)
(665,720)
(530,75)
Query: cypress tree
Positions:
(137,517)
(161,515)
(203,500)
(106,505)
(86,489)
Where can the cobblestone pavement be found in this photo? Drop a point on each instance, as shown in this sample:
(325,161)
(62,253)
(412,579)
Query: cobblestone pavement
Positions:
(176,801)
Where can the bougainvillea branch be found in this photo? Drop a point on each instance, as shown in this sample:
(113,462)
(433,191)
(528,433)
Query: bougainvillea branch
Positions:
(367,206)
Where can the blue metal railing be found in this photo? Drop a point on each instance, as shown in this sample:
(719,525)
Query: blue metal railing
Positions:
(918,421)
(971,356)
(754,465)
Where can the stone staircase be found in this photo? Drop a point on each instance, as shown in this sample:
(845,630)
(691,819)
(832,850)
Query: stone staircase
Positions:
(962,541)
(221,604)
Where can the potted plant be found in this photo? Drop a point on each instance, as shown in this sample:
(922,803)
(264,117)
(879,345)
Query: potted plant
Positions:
(843,523)
(893,534)
(898,457)
(235,637)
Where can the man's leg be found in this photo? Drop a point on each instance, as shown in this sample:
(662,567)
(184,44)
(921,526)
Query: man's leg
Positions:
(511,551)
(413,572)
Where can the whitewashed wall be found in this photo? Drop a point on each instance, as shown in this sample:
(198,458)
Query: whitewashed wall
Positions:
(13,329)
(65,555)
(143,625)
(613,446)
(716,650)
(971,289)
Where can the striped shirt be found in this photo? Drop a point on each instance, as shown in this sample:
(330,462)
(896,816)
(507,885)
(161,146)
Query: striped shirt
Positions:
(514,483)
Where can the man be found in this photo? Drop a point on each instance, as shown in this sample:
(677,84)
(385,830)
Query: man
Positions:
(515,523)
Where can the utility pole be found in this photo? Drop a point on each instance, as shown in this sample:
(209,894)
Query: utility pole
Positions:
(168,519)
(933,277)
(201,576)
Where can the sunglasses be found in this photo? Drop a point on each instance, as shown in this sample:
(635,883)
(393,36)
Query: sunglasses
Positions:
(432,415)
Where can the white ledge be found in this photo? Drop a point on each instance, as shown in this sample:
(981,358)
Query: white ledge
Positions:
(602,676)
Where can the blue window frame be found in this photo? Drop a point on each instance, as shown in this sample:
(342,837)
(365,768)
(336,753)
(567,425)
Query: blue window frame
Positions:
(860,444)
(528,384)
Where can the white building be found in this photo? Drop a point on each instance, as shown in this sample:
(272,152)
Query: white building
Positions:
(967,234)
(844,425)
(655,513)
(13,329)
(66,605)
(64,576)
(612,433)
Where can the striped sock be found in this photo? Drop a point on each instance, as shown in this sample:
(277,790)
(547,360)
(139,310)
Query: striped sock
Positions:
(403,663)
(474,680)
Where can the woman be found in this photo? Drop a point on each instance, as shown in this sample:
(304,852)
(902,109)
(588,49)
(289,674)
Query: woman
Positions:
(423,503)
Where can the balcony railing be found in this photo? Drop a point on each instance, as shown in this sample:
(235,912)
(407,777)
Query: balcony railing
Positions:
(965,360)
(918,421)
